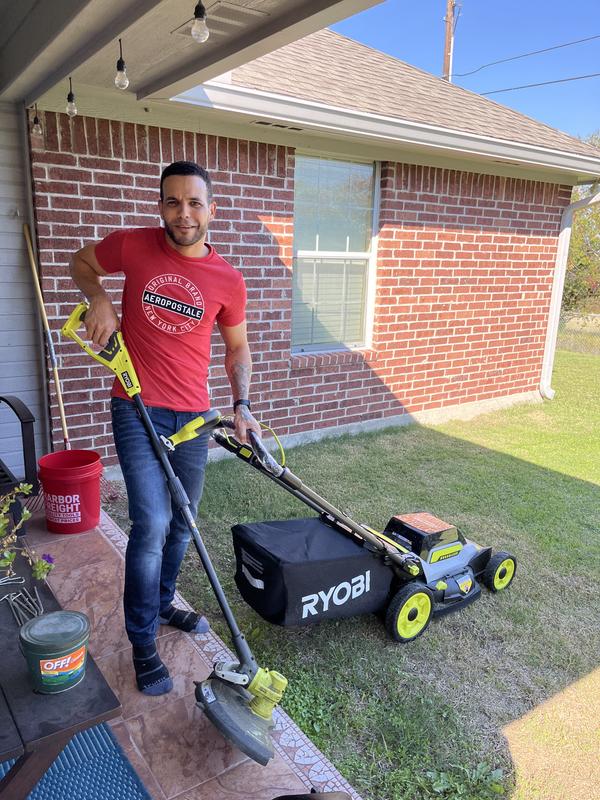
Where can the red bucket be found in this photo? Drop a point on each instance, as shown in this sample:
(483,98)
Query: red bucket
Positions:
(71,483)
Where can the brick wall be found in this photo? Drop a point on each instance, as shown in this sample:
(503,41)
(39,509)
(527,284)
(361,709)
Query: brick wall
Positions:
(466,264)
(465,267)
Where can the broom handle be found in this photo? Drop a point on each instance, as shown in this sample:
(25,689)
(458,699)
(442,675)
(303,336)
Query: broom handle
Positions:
(48,336)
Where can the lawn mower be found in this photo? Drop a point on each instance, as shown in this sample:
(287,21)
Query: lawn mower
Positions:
(300,571)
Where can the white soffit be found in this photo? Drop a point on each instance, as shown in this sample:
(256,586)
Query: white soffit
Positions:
(291,112)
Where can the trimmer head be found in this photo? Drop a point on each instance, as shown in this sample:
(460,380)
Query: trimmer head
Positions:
(227,707)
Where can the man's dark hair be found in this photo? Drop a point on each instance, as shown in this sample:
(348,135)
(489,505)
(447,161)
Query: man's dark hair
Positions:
(186,168)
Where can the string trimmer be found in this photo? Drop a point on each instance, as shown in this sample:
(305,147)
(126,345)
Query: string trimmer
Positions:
(238,697)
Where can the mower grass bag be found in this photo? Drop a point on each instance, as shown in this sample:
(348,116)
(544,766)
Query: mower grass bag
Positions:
(301,571)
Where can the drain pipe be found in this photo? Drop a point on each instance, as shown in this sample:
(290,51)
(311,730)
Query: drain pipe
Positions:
(560,269)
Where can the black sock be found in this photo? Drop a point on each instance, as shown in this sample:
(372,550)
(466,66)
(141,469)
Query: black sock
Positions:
(187,621)
(151,674)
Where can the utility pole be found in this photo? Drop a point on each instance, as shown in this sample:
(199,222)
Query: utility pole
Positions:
(449,40)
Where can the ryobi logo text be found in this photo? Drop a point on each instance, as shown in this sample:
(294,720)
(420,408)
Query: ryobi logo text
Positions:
(338,595)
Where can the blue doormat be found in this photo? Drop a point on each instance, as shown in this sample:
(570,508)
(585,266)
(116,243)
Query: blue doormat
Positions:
(91,767)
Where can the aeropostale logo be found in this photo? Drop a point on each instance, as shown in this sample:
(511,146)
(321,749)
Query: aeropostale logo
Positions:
(173,303)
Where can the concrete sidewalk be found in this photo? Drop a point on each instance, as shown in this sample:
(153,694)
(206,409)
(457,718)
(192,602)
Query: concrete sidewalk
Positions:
(175,750)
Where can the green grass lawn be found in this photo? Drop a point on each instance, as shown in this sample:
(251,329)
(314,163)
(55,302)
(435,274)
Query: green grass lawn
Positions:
(424,720)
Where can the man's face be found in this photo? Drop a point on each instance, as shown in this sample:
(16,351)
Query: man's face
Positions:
(185,209)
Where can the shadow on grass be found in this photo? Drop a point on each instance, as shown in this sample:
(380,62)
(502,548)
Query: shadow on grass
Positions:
(416,720)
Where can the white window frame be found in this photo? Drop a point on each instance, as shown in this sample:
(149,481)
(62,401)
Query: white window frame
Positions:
(369,256)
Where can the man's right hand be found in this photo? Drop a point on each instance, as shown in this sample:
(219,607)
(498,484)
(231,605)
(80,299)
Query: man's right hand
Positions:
(101,319)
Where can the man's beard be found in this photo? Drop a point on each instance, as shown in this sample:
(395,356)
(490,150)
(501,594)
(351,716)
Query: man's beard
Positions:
(200,234)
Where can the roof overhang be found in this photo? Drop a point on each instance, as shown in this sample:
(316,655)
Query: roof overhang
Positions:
(216,110)
(42,43)
(252,104)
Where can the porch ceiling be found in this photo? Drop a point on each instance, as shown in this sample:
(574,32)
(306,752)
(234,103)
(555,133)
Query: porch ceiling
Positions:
(41,44)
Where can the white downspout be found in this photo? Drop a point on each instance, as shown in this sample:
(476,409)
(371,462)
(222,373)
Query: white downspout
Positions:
(560,269)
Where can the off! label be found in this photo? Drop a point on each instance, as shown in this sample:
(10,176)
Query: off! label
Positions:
(64,667)
(63,507)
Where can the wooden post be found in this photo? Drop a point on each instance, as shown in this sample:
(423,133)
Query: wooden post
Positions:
(449,40)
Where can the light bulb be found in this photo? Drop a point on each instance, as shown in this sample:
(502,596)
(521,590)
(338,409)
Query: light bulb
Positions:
(36,128)
(121,79)
(71,107)
(200,32)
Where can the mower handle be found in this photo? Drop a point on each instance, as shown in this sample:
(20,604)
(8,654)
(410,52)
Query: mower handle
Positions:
(261,453)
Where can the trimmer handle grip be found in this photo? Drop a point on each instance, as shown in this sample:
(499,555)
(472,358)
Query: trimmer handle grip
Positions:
(114,355)
(71,327)
(195,427)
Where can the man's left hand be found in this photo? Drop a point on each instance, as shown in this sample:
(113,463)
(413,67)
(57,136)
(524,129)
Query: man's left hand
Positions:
(245,422)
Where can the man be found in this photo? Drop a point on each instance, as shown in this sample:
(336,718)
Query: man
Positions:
(176,287)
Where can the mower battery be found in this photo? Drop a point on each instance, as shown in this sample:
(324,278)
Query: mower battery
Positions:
(302,571)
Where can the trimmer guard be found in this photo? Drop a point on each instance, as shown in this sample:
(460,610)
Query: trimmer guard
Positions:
(301,571)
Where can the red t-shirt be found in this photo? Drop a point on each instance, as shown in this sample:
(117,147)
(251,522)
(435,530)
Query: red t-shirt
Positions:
(170,304)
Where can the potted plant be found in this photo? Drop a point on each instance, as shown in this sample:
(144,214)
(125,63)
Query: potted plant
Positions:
(40,565)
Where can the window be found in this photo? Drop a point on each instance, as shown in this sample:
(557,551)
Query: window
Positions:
(333,226)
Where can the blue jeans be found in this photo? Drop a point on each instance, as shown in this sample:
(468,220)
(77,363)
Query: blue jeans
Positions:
(159,535)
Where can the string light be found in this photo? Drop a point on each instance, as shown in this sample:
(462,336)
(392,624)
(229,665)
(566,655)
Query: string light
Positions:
(71,107)
(121,79)
(200,32)
(36,128)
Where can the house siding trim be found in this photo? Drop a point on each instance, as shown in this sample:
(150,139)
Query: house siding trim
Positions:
(23,371)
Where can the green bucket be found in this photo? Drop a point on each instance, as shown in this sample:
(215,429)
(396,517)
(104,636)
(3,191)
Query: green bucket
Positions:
(55,648)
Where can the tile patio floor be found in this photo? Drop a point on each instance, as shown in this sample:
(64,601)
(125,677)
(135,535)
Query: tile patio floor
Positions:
(176,752)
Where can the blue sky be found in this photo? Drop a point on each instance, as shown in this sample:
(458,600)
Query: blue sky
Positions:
(413,31)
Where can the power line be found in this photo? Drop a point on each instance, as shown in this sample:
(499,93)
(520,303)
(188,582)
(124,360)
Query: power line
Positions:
(525,55)
(544,83)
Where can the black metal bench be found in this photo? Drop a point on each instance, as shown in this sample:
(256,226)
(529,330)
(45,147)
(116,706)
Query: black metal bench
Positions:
(8,480)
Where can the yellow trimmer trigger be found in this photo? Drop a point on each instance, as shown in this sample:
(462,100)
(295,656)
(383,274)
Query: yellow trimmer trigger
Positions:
(194,428)
(114,355)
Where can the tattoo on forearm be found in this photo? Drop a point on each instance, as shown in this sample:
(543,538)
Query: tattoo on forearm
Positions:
(239,376)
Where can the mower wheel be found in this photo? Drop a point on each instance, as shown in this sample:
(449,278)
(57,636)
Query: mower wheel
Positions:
(499,572)
(409,612)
